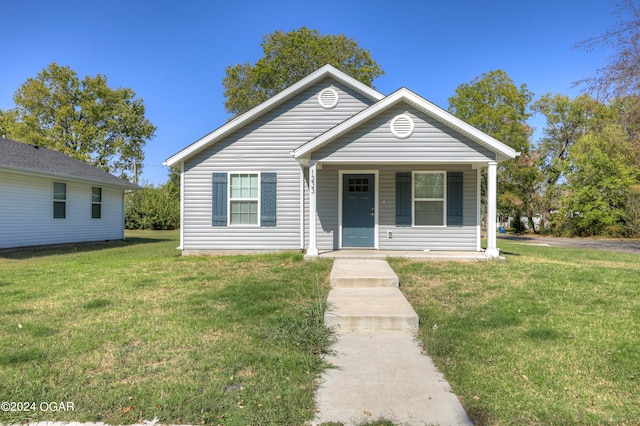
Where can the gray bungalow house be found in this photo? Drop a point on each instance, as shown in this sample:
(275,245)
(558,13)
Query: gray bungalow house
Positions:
(48,198)
(331,164)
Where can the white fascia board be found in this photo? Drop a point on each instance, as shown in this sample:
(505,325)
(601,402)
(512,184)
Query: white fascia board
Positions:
(503,151)
(272,102)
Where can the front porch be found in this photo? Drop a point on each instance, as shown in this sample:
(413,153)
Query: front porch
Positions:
(464,256)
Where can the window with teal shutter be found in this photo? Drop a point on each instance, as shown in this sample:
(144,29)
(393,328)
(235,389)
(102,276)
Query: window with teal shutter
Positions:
(236,200)
(454,198)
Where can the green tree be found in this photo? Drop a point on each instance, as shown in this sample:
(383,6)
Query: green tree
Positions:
(85,119)
(494,104)
(603,177)
(288,57)
(567,120)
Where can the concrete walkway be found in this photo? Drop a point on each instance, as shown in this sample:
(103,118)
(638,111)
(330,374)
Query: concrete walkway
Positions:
(380,370)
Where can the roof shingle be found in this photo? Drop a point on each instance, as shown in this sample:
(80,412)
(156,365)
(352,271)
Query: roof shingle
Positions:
(34,159)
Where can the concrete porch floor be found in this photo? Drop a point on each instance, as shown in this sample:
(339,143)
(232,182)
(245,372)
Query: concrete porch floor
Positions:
(384,254)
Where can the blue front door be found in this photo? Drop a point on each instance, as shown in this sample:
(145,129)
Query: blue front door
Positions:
(358,210)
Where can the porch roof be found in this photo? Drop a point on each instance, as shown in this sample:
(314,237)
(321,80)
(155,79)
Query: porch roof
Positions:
(502,151)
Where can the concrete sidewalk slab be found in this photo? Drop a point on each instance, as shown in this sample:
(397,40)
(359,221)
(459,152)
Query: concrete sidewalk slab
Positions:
(362,273)
(385,375)
(377,308)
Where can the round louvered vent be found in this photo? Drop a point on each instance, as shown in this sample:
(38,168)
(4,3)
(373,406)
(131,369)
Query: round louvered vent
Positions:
(328,98)
(402,126)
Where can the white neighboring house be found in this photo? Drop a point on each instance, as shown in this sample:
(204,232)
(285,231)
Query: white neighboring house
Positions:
(49,198)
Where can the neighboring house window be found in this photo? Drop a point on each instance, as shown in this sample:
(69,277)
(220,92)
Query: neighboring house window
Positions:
(244,199)
(96,203)
(428,198)
(59,200)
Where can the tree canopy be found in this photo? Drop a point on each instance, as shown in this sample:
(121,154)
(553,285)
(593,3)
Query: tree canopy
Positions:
(494,104)
(621,76)
(85,119)
(288,57)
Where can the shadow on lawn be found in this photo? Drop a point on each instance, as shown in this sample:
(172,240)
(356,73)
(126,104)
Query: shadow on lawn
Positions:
(57,249)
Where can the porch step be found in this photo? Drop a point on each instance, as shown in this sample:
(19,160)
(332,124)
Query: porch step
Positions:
(369,273)
(364,296)
(369,309)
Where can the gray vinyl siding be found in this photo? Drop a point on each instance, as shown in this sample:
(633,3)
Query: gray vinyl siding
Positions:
(404,238)
(26,212)
(431,141)
(263,145)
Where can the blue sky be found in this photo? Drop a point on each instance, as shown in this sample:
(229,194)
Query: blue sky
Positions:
(174,54)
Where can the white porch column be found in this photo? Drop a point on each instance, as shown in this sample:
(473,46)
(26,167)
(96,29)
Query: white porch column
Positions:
(312,250)
(492,198)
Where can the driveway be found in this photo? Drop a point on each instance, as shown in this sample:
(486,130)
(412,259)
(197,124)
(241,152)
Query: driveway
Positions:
(627,246)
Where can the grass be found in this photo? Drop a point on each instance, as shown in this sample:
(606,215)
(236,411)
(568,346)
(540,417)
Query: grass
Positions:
(548,337)
(129,331)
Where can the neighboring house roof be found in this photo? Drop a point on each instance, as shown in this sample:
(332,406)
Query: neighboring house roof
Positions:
(502,151)
(274,101)
(33,159)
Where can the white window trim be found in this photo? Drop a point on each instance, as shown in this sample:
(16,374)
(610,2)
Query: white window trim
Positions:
(96,202)
(414,199)
(55,200)
(229,199)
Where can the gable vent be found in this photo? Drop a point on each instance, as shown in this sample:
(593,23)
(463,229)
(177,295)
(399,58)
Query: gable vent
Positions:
(402,126)
(328,98)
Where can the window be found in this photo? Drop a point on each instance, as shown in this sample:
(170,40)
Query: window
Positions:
(358,185)
(428,198)
(96,203)
(243,200)
(59,200)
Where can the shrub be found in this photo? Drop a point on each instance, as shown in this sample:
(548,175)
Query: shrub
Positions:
(152,208)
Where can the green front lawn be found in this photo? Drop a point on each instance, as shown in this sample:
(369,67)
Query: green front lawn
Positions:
(549,337)
(131,331)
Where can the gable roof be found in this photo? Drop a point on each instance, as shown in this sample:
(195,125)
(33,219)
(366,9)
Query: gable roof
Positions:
(274,101)
(22,157)
(503,152)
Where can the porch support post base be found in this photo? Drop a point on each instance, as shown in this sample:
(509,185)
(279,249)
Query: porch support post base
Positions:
(492,253)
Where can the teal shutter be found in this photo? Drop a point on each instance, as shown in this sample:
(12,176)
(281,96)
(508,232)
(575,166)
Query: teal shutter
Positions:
(268,199)
(454,198)
(403,199)
(219,200)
